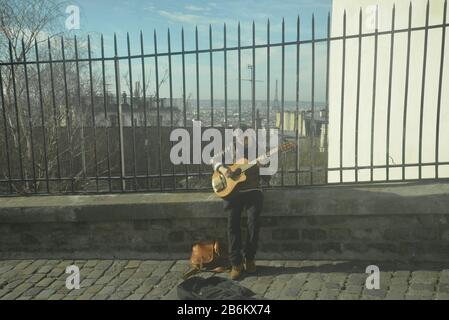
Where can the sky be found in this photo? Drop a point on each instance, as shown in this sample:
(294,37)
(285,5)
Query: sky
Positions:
(109,17)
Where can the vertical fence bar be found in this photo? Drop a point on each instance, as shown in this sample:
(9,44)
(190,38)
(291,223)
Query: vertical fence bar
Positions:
(440,87)
(68,116)
(131,104)
(119,115)
(41,106)
(423,89)
(92,103)
(268,75)
(145,113)
(373,109)
(198,110)
(225,53)
(55,114)
(390,84)
(343,78)
(312,136)
(407,73)
(298,52)
(16,108)
(156,66)
(30,117)
(5,123)
(170,82)
(240,73)
(283,95)
(326,136)
(211,56)
(184,93)
(105,106)
(197,70)
(80,110)
(253,78)
(357,108)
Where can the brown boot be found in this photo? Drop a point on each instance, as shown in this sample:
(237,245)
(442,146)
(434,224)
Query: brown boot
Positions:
(236,272)
(250,266)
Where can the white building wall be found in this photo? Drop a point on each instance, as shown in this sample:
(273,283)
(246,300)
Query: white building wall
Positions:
(398,89)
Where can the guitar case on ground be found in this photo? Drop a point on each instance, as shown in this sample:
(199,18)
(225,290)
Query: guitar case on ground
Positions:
(214,288)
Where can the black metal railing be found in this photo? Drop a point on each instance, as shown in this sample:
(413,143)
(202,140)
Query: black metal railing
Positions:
(393,32)
(64,131)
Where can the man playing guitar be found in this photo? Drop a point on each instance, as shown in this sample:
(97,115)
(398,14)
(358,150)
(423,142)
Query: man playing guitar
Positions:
(249,197)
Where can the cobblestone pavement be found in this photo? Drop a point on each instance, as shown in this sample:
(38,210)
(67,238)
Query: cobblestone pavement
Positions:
(141,279)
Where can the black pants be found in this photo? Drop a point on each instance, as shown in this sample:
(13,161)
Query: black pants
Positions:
(252,202)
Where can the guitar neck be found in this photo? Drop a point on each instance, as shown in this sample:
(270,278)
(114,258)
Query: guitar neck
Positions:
(247,166)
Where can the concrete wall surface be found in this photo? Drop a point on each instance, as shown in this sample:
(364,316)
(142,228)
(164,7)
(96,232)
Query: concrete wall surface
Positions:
(402,221)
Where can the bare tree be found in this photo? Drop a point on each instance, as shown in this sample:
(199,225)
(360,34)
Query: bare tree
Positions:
(145,89)
(29,20)
(40,100)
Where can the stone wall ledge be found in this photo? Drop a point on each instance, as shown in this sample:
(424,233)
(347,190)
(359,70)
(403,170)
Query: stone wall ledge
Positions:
(376,222)
(349,200)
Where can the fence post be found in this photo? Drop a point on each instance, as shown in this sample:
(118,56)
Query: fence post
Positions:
(81,110)
(120,122)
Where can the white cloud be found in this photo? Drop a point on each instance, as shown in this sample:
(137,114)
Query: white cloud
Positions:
(196,8)
(150,7)
(185,18)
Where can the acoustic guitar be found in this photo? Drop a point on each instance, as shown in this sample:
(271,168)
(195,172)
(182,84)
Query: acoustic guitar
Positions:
(225,186)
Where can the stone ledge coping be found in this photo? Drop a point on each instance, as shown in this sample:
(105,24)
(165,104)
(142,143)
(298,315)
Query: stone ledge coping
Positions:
(381,199)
